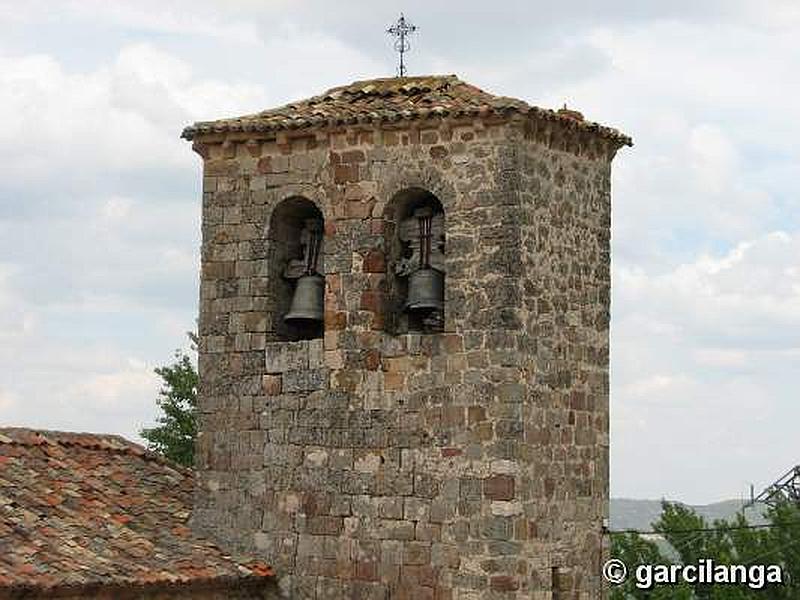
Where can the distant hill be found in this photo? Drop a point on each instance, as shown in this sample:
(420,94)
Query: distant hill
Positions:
(626,513)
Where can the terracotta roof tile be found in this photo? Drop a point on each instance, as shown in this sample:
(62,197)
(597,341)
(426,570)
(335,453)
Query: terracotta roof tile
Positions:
(393,99)
(79,509)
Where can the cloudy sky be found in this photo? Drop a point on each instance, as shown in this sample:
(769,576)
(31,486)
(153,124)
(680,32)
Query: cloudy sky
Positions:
(99,199)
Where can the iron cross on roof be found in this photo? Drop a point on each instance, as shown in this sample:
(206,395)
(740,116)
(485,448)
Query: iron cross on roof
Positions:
(401,30)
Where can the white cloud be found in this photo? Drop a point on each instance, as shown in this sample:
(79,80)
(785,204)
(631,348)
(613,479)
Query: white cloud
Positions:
(739,295)
(115,209)
(110,392)
(50,382)
(15,321)
(196,18)
(703,357)
(79,394)
(122,116)
(720,357)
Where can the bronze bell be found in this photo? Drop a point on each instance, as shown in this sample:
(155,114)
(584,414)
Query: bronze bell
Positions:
(308,302)
(425,290)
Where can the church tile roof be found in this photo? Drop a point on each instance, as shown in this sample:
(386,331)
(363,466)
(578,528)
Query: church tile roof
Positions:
(80,510)
(394,99)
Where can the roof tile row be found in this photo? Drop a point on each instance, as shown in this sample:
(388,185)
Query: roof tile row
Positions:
(81,509)
(394,99)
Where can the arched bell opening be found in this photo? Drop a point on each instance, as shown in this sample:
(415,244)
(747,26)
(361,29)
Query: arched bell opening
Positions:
(415,233)
(297,281)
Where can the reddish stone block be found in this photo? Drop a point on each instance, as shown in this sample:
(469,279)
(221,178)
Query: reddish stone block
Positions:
(371,300)
(375,262)
(366,570)
(335,321)
(376,226)
(264,165)
(450,452)
(253,148)
(272,384)
(345,173)
(372,360)
(377,322)
(315,504)
(503,583)
(499,487)
(577,400)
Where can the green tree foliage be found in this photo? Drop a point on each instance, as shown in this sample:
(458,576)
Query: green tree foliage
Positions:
(690,539)
(177,424)
(634,550)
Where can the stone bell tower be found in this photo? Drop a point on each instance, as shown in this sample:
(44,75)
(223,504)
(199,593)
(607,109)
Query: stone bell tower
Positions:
(404,318)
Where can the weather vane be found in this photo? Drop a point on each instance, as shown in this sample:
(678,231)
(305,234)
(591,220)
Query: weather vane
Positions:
(401,30)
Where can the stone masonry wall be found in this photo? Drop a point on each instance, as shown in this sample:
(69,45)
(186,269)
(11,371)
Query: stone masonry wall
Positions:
(461,465)
(566,208)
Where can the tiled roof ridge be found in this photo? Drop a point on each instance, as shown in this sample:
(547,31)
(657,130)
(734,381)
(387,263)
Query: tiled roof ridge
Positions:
(392,99)
(380,86)
(408,82)
(108,442)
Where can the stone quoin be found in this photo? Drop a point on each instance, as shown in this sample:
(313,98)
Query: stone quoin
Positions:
(451,448)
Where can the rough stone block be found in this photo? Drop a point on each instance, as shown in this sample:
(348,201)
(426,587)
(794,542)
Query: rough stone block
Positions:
(271,385)
(325,525)
(503,583)
(285,356)
(305,380)
(499,487)
(416,553)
